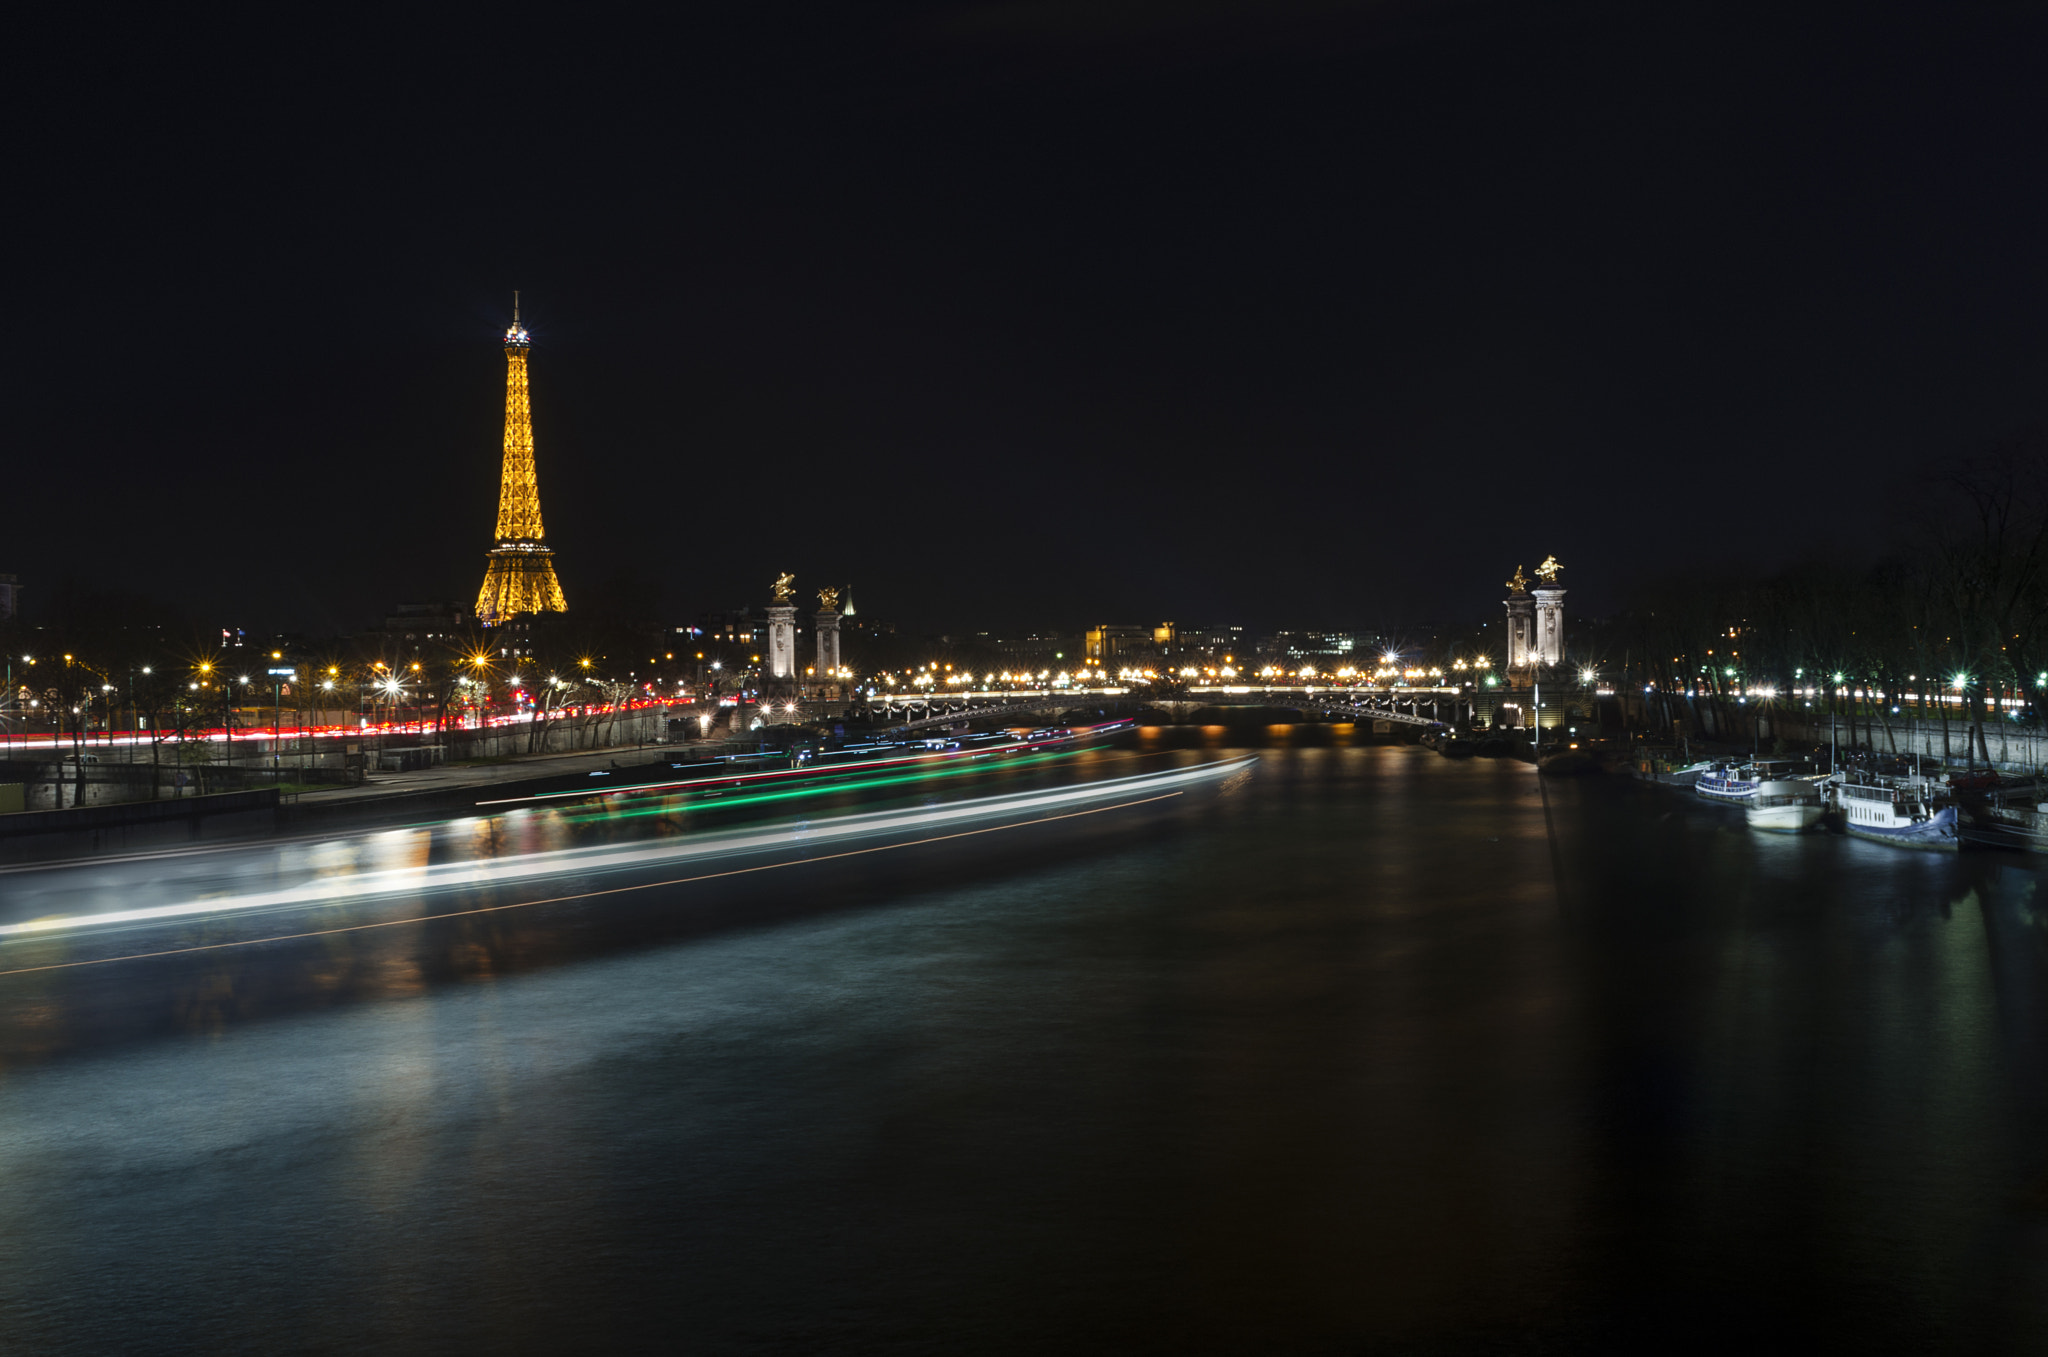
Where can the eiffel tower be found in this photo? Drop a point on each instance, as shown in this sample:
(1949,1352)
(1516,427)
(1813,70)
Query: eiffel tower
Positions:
(519,572)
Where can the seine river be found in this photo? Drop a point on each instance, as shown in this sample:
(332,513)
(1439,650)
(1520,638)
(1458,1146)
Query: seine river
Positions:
(1354,1049)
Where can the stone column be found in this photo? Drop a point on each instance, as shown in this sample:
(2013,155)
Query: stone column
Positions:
(827,661)
(1521,637)
(782,644)
(1548,641)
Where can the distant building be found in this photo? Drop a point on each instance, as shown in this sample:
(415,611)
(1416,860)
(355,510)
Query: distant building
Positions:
(852,624)
(1312,645)
(734,627)
(1035,649)
(428,621)
(1207,643)
(10,597)
(1111,643)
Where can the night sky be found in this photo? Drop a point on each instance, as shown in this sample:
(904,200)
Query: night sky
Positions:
(1020,314)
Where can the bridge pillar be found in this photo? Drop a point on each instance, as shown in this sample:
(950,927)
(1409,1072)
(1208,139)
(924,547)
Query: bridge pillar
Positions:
(1521,634)
(827,662)
(782,643)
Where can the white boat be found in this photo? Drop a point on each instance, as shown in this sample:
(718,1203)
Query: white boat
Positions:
(1785,806)
(1905,812)
(1736,783)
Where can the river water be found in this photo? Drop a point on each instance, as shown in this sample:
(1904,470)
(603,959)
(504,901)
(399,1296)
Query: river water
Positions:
(1358,1050)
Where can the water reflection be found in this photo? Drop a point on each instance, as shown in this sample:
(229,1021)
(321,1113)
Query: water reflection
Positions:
(1363,1049)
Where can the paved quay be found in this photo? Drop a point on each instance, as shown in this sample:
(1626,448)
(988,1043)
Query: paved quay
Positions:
(432,793)
(520,769)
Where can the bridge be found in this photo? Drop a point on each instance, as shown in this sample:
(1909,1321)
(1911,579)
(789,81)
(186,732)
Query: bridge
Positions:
(1417,707)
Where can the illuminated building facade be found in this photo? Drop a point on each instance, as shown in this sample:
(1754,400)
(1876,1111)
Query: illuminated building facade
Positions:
(519,572)
(1110,642)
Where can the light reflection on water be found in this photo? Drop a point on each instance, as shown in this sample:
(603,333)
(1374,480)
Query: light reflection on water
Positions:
(1355,1051)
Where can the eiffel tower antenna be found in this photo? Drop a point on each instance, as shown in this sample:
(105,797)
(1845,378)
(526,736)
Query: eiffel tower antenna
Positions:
(519,572)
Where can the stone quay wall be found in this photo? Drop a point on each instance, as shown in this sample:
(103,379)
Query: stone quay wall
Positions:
(2012,746)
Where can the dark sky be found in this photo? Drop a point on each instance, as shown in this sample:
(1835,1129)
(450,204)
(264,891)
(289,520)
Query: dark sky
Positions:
(1016,314)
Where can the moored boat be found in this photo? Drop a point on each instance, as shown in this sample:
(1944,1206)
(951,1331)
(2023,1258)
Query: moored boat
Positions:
(1737,783)
(1905,812)
(2007,827)
(1785,806)
(2008,814)
(1729,782)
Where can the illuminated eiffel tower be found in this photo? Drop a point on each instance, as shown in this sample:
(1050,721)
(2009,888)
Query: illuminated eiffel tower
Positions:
(519,572)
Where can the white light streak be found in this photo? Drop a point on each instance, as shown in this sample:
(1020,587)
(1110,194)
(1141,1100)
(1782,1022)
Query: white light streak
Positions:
(510,871)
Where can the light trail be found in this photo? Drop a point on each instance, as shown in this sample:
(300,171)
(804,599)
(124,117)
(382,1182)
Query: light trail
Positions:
(832,782)
(492,873)
(971,756)
(716,780)
(580,895)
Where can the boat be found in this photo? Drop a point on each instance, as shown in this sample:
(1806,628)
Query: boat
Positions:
(1731,782)
(2009,815)
(1667,768)
(1736,783)
(1908,811)
(1785,805)
(2008,827)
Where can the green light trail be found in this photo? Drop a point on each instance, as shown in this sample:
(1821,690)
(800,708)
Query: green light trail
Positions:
(675,801)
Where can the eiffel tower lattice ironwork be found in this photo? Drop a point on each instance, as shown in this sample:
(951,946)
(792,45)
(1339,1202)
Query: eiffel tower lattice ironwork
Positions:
(519,572)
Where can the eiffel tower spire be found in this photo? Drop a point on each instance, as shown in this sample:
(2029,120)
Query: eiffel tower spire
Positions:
(519,572)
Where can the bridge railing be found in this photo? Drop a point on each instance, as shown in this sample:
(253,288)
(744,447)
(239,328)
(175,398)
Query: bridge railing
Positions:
(1372,704)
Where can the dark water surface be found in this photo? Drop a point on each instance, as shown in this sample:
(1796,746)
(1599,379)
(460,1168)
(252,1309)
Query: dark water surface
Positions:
(1363,1051)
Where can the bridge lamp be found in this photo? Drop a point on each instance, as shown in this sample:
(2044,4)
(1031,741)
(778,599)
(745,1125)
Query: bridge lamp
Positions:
(1586,676)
